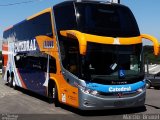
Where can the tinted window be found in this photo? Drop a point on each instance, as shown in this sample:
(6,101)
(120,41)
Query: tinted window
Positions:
(70,54)
(65,17)
(25,30)
(107,62)
(106,20)
(38,62)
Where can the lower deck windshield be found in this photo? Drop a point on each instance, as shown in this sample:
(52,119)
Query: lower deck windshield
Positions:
(112,62)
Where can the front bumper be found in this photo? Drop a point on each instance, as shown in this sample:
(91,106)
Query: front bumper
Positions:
(90,102)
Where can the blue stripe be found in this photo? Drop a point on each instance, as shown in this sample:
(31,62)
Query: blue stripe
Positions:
(119,88)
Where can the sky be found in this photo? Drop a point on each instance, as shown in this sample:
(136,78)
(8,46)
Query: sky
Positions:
(146,13)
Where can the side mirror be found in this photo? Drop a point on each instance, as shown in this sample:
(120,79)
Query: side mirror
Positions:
(156,45)
(76,35)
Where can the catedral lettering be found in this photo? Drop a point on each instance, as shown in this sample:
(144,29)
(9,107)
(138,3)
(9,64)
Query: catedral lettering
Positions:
(122,89)
(28,45)
(83,54)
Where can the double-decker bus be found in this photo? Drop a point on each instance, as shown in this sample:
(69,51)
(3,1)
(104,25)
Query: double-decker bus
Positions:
(87,55)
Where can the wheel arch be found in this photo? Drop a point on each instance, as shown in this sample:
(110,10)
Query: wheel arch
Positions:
(53,81)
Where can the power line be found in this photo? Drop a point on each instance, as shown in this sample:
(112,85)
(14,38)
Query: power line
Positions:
(17,3)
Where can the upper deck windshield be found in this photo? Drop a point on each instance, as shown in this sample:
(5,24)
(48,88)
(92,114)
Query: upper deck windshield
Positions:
(106,20)
(108,62)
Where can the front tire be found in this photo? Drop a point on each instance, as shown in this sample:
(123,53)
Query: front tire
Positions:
(50,92)
(53,93)
(56,101)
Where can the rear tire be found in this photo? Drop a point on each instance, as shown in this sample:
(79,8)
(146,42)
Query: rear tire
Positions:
(8,78)
(14,84)
(10,83)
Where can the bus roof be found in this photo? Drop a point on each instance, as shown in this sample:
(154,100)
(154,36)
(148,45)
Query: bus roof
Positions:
(30,17)
(88,1)
(39,13)
(69,1)
(8,28)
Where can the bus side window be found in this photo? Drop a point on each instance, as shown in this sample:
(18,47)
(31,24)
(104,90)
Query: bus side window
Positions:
(65,17)
(20,61)
(40,25)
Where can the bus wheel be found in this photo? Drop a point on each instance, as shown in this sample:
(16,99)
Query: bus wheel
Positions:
(8,78)
(56,101)
(53,93)
(10,83)
(148,84)
(13,83)
(50,91)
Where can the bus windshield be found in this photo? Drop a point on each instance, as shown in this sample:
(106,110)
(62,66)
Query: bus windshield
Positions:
(106,20)
(112,62)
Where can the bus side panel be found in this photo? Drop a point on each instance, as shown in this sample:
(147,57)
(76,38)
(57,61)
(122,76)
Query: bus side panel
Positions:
(33,80)
(4,59)
(67,94)
(32,69)
(5,54)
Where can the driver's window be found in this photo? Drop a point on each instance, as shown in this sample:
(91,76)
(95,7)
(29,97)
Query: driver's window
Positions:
(70,54)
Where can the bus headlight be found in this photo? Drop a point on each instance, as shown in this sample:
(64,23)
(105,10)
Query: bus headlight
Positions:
(89,91)
(86,90)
